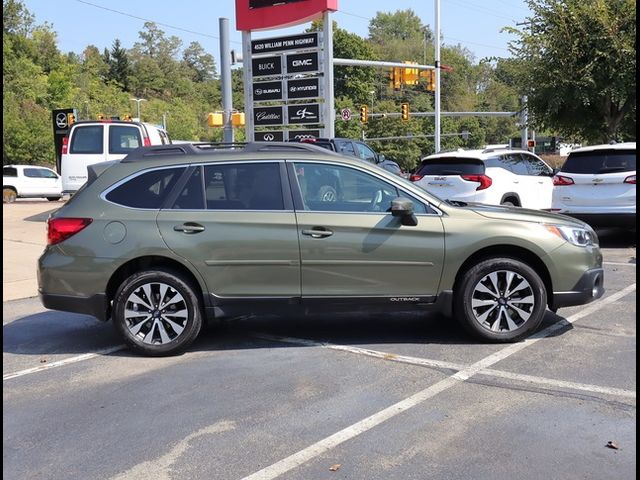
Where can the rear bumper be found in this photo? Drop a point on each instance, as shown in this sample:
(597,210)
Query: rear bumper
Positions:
(95,305)
(589,288)
(623,220)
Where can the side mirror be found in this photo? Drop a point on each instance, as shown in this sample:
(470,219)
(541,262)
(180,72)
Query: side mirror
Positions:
(403,208)
(381,158)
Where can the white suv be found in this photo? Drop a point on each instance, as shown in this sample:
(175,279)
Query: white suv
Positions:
(597,184)
(495,176)
(97,141)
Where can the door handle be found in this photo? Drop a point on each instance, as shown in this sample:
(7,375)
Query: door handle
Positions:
(317,232)
(189,228)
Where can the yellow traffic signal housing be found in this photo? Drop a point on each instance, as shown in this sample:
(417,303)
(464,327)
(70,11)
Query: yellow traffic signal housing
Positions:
(410,75)
(71,119)
(364,114)
(396,78)
(404,108)
(237,119)
(127,117)
(215,120)
(430,77)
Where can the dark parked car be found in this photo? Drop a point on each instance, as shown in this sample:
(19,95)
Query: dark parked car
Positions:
(355,148)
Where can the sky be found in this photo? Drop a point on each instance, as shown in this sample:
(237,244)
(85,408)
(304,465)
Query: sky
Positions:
(473,24)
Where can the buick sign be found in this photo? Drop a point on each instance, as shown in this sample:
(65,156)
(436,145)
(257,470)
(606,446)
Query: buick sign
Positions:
(309,113)
(266,66)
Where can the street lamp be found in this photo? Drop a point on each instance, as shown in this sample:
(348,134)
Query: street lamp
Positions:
(373,96)
(138,100)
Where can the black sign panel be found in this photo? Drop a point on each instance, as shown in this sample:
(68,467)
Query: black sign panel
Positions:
(266,66)
(304,88)
(302,134)
(267,91)
(271,136)
(269,3)
(60,119)
(281,44)
(309,113)
(267,116)
(302,62)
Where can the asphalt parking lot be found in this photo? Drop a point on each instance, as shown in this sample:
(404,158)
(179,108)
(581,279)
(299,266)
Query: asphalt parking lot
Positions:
(328,397)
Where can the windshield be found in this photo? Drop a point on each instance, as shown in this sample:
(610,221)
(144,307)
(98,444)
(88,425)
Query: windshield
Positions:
(600,161)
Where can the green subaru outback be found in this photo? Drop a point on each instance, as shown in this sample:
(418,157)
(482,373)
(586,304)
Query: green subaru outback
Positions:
(171,235)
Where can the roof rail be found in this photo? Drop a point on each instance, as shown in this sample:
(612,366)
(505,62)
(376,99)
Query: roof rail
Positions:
(217,147)
(497,149)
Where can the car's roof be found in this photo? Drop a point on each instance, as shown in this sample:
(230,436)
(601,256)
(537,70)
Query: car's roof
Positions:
(116,122)
(478,154)
(13,165)
(606,146)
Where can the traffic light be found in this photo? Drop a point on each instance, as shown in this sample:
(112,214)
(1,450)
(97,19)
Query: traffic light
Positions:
(396,78)
(531,143)
(404,108)
(410,75)
(237,119)
(100,116)
(430,77)
(364,114)
(71,119)
(215,120)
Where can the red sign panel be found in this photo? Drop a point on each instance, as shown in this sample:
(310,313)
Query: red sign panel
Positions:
(266,14)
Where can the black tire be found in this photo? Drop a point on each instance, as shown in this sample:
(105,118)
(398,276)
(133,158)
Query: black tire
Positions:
(500,300)
(53,199)
(9,195)
(160,331)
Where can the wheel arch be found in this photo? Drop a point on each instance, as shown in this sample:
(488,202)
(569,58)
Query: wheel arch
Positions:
(511,196)
(154,262)
(508,251)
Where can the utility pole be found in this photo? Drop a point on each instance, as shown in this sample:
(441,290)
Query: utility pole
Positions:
(225,80)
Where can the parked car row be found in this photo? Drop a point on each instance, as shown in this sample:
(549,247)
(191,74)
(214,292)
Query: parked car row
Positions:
(596,184)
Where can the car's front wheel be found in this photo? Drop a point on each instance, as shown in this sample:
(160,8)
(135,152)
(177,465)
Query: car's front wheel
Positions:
(500,300)
(157,313)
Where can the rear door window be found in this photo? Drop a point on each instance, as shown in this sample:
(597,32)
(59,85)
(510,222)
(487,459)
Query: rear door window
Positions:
(516,163)
(147,190)
(451,166)
(87,139)
(536,166)
(345,148)
(601,161)
(243,186)
(124,138)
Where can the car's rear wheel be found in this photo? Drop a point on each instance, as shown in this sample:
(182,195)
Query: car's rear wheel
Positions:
(9,195)
(53,199)
(157,313)
(500,300)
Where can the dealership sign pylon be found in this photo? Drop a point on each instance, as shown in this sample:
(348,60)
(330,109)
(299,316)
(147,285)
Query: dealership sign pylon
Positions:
(288,80)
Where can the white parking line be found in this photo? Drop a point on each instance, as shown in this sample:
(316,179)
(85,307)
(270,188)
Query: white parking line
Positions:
(61,363)
(326,444)
(620,264)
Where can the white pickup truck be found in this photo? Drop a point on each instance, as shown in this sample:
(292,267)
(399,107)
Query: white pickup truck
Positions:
(30,181)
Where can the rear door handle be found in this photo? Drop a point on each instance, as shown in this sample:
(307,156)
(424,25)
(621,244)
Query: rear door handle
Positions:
(189,228)
(317,232)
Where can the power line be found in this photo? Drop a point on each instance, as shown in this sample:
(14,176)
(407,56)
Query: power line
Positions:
(149,20)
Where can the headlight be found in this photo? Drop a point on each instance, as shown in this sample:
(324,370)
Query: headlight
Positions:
(578,236)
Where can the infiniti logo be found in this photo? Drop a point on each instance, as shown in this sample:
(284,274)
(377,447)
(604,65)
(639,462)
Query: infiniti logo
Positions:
(268,137)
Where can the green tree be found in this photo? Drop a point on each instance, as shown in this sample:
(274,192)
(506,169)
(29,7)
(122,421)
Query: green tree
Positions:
(119,66)
(200,64)
(576,62)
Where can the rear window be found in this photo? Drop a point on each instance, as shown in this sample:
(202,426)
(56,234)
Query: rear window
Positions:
(148,190)
(123,138)
(600,161)
(451,166)
(87,139)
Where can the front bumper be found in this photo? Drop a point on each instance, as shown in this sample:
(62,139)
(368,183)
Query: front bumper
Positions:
(589,288)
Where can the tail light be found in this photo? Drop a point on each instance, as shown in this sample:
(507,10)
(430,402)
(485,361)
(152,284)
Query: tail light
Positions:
(560,180)
(630,179)
(147,142)
(308,140)
(65,145)
(415,177)
(483,180)
(59,229)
